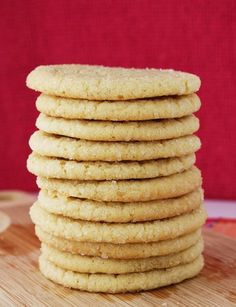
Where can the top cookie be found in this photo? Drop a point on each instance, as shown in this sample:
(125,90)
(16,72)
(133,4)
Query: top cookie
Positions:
(112,83)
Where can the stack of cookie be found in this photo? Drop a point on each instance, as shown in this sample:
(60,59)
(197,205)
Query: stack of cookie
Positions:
(120,207)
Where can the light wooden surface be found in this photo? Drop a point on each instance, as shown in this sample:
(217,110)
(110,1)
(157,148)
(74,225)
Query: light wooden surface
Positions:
(21,284)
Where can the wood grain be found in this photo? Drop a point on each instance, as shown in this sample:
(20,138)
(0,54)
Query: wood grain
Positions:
(21,284)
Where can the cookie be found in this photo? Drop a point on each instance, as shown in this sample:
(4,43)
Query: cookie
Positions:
(110,212)
(119,131)
(131,110)
(120,251)
(121,282)
(98,170)
(126,190)
(82,150)
(117,233)
(85,264)
(112,83)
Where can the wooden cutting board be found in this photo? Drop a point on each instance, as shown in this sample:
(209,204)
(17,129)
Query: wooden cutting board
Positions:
(21,284)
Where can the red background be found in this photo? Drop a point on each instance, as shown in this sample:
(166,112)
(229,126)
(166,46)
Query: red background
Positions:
(196,36)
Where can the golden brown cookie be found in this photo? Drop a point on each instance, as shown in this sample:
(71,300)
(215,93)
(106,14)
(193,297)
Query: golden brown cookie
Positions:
(130,110)
(73,149)
(85,264)
(110,212)
(126,190)
(119,131)
(117,233)
(95,82)
(50,167)
(120,251)
(120,282)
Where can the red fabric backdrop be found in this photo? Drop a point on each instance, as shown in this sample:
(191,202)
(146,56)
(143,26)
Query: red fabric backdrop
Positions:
(196,36)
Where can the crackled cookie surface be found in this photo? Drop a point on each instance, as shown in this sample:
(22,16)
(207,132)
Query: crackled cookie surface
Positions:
(110,83)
